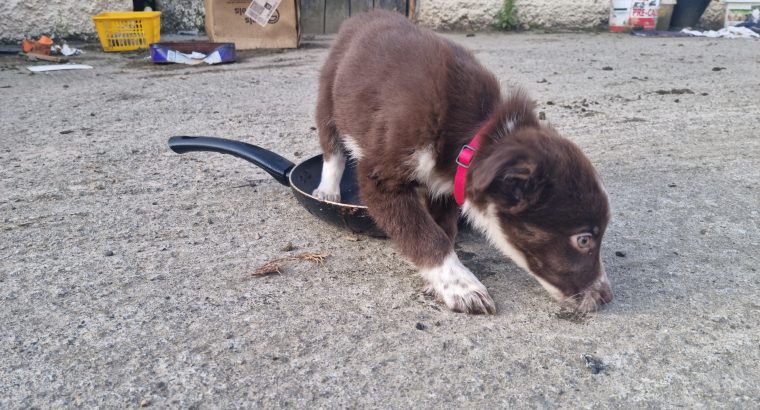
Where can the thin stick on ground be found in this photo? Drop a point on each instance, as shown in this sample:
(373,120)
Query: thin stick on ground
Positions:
(276,266)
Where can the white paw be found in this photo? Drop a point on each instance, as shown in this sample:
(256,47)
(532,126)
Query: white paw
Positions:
(329,184)
(458,288)
(333,196)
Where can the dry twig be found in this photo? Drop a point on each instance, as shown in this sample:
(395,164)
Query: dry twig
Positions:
(277,265)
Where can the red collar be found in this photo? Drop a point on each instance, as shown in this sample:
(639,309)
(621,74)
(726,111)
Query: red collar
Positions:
(463,163)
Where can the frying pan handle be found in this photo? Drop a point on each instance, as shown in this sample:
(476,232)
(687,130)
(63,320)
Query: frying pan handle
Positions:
(275,165)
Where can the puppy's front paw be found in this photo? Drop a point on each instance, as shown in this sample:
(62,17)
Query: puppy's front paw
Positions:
(458,288)
(323,195)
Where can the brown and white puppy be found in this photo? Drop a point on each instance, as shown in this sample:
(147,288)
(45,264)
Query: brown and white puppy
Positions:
(402,102)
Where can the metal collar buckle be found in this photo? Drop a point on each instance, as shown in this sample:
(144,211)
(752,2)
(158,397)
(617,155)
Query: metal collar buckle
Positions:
(459,157)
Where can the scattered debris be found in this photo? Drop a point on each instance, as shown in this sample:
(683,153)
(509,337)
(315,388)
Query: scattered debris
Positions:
(10,49)
(66,50)
(672,185)
(541,115)
(659,33)
(728,32)
(251,184)
(542,81)
(675,91)
(58,67)
(718,68)
(43,57)
(572,315)
(40,46)
(192,53)
(607,68)
(594,365)
(634,119)
(277,265)
(620,254)
(470,35)
(582,107)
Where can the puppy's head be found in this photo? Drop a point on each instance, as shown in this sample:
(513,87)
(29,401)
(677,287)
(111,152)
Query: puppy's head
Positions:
(540,201)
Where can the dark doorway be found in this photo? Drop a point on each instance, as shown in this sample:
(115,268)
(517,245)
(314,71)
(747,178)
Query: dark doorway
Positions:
(325,16)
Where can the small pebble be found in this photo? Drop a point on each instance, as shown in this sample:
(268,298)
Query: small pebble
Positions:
(66,132)
(470,35)
(607,68)
(541,115)
(420,326)
(108,253)
(593,364)
(313,128)
(672,185)
(210,222)
(288,247)
(718,68)
(620,254)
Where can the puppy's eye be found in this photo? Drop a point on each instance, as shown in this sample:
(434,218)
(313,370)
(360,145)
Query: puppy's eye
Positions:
(582,241)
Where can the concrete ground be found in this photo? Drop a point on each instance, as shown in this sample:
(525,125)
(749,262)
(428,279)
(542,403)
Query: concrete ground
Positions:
(126,270)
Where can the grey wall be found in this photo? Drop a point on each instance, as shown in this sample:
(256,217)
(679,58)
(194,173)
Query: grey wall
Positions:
(25,18)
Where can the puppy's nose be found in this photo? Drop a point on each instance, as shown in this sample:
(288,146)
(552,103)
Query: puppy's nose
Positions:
(605,293)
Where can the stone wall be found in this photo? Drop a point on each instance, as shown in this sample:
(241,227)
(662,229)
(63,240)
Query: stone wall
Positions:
(546,14)
(67,18)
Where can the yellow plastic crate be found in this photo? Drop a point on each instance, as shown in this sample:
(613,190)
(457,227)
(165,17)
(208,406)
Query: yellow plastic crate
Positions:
(128,30)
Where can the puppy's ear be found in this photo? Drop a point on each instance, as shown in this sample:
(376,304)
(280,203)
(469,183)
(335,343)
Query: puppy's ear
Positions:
(519,112)
(512,179)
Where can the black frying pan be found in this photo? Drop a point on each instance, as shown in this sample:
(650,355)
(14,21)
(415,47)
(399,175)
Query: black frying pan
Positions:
(303,179)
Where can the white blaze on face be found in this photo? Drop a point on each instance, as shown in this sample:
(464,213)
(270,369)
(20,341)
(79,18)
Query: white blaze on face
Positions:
(488,223)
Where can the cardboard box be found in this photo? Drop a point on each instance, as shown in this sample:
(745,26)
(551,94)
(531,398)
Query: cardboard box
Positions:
(226,22)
